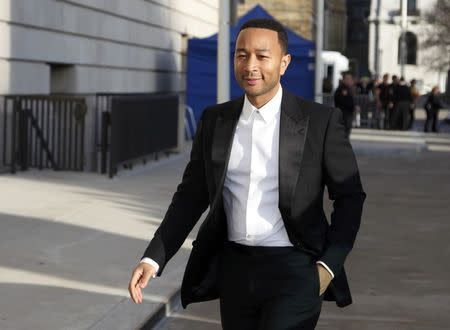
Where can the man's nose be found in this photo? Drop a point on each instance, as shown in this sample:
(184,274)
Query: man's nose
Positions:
(251,64)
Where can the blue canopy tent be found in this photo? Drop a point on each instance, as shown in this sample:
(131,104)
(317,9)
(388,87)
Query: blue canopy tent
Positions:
(202,66)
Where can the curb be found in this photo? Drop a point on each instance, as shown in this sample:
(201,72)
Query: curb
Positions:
(164,310)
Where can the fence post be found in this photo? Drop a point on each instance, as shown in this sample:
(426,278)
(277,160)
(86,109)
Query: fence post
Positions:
(15,111)
(23,138)
(104,143)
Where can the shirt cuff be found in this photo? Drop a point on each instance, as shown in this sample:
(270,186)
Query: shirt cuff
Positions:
(326,267)
(151,262)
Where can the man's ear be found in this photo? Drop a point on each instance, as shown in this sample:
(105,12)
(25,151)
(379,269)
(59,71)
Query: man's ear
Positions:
(285,60)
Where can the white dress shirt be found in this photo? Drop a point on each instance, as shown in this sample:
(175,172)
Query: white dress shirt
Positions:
(250,192)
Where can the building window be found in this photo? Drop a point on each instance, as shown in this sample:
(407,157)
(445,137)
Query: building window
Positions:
(411,8)
(410,48)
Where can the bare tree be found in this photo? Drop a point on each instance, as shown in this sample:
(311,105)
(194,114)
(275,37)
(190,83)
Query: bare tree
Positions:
(437,36)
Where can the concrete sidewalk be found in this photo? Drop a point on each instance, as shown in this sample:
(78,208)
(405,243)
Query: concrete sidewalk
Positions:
(68,241)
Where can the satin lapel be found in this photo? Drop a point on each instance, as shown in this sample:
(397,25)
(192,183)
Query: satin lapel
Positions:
(222,140)
(293,129)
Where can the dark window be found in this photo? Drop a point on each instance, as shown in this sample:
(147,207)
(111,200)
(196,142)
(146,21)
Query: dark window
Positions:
(410,48)
(411,8)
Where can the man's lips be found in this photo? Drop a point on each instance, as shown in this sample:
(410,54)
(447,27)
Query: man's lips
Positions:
(252,81)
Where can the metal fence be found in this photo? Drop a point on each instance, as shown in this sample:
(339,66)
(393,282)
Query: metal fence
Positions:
(103,108)
(145,124)
(43,131)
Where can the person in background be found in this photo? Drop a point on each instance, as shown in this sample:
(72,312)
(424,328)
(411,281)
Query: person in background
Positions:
(327,85)
(414,95)
(343,100)
(402,101)
(372,84)
(383,97)
(363,86)
(432,107)
(395,81)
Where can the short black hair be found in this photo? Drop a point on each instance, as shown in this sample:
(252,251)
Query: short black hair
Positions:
(269,24)
(346,73)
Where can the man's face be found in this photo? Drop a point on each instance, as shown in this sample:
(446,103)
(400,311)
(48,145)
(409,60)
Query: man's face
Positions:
(259,62)
(348,80)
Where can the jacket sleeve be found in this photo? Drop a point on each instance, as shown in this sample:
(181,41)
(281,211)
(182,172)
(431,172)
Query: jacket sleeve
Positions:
(345,189)
(188,204)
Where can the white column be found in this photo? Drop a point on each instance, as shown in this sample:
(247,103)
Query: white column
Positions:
(223,52)
(403,37)
(319,48)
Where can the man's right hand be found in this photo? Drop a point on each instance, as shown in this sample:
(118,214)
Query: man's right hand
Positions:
(139,279)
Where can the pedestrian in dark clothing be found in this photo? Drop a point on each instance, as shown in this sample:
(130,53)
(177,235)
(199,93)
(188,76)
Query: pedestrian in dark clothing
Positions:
(414,95)
(327,85)
(432,107)
(395,81)
(402,101)
(363,87)
(383,96)
(343,99)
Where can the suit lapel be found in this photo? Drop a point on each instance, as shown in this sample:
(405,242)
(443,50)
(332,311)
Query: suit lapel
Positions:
(222,140)
(294,121)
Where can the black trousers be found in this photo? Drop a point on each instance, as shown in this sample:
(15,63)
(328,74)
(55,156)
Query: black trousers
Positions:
(400,117)
(348,121)
(432,118)
(266,288)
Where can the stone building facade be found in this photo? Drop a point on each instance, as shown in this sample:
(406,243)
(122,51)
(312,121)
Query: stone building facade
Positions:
(83,47)
(384,41)
(299,16)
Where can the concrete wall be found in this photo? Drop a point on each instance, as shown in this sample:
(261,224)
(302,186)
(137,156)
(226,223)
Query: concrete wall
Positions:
(136,37)
(389,34)
(88,46)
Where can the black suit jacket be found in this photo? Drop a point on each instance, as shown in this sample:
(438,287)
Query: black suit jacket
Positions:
(313,152)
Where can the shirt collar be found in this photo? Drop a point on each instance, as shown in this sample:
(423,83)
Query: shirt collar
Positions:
(268,111)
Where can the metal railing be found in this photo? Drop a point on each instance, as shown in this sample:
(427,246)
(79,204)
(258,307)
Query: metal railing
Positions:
(134,126)
(102,124)
(43,131)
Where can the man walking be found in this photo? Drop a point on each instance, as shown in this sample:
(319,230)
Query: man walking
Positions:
(403,101)
(343,100)
(383,96)
(260,163)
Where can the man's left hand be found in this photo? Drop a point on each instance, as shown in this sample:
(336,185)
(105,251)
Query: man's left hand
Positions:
(324,278)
